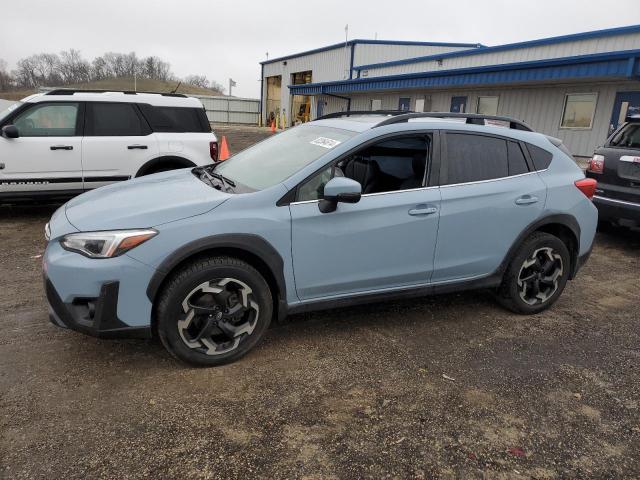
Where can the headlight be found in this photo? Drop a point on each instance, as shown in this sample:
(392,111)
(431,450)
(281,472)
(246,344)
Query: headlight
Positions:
(106,244)
(47,232)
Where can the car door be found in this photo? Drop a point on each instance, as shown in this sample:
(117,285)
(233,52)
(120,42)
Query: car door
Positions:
(384,241)
(489,196)
(117,142)
(46,157)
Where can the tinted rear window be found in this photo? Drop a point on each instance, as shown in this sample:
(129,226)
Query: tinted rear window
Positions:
(517,161)
(176,119)
(113,120)
(541,158)
(627,137)
(473,158)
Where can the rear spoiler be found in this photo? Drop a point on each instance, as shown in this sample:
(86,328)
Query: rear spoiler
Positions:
(558,143)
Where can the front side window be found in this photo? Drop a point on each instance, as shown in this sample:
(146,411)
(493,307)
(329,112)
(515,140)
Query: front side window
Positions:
(113,120)
(488,105)
(579,109)
(272,161)
(473,158)
(387,166)
(48,120)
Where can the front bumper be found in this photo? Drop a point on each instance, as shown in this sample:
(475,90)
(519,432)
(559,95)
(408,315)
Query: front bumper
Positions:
(618,210)
(92,316)
(98,297)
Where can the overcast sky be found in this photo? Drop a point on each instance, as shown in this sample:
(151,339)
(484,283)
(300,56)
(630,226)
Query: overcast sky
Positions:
(223,39)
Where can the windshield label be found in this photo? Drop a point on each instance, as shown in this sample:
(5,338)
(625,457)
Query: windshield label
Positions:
(325,142)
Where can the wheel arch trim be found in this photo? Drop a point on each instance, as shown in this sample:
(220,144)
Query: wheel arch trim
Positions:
(252,245)
(560,219)
(185,162)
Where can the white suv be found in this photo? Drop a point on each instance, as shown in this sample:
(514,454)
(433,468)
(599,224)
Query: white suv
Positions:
(63,142)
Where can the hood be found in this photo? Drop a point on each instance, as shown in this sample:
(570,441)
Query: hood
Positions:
(143,202)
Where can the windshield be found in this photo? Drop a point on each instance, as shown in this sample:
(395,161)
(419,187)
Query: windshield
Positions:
(628,136)
(274,160)
(6,112)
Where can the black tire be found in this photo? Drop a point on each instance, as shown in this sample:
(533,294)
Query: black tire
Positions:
(519,285)
(185,291)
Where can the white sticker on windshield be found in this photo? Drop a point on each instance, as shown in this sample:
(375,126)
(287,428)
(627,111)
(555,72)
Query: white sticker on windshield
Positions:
(325,142)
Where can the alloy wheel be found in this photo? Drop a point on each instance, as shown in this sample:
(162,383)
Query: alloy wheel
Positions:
(539,276)
(219,314)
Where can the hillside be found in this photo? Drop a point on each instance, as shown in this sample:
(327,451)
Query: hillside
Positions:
(143,85)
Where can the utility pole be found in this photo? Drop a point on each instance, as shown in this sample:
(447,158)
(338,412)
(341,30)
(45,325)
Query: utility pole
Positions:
(346,54)
(232,84)
(135,81)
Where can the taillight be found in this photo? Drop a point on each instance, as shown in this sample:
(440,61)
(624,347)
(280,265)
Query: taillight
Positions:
(213,151)
(596,164)
(587,186)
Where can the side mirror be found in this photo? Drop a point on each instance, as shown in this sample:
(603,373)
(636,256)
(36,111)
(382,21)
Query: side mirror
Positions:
(339,189)
(10,131)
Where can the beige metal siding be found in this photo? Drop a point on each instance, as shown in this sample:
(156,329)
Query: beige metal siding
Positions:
(231,109)
(541,107)
(556,50)
(366,53)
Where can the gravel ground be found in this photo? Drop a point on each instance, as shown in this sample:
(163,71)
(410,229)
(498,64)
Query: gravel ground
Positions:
(443,387)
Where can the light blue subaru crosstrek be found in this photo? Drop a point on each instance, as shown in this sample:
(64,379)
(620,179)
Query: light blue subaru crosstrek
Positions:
(348,209)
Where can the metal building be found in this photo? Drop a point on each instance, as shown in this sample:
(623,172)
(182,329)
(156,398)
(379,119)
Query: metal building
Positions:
(575,87)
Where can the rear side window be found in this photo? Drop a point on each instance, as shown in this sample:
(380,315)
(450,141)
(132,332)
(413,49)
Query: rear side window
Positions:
(176,119)
(541,158)
(472,158)
(114,120)
(517,161)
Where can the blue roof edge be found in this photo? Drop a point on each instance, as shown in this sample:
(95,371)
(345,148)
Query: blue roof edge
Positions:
(508,46)
(619,54)
(372,42)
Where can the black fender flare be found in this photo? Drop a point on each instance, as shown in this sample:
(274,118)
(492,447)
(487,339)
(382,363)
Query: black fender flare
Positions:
(555,219)
(164,159)
(254,245)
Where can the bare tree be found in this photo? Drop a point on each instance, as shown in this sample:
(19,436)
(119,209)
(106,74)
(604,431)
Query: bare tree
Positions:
(197,81)
(73,68)
(6,81)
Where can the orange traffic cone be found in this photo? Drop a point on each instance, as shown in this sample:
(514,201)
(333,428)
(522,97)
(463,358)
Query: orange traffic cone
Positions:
(273,126)
(224,150)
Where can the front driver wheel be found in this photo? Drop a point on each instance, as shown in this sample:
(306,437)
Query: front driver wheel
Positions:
(537,274)
(214,311)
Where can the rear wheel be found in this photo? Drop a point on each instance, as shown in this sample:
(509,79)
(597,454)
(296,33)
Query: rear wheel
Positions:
(214,311)
(537,274)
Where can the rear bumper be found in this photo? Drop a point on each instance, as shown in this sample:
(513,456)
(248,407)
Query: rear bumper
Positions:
(614,209)
(92,316)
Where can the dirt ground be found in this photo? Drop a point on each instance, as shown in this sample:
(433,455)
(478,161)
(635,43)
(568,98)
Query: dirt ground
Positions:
(444,387)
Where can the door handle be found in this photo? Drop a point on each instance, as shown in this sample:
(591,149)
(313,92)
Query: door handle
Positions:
(526,200)
(137,147)
(422,210)
(61,147)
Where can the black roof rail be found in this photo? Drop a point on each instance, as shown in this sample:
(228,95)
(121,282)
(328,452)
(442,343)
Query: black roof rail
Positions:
(350,113)
(71,91)
(472,118)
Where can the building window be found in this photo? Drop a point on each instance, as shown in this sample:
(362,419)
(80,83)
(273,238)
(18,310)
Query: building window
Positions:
(578,110)
(488,105)
(404,104)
